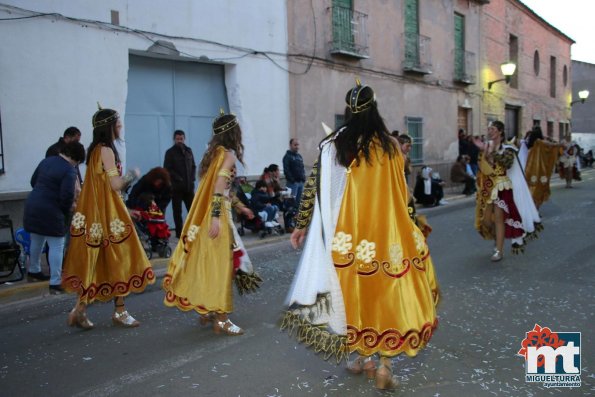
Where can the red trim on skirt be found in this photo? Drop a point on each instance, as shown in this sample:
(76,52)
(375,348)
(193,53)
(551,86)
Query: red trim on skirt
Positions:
(513,224)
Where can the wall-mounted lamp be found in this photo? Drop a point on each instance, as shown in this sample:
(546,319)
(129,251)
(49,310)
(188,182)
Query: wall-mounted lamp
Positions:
(507,69)
(583,95)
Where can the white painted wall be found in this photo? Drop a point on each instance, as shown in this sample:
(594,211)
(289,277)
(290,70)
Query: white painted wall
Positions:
(53,71)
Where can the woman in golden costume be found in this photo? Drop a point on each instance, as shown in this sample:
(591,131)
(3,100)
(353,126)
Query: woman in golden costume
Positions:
(365,282)
(105,259)
(504,207)
(210,252)
(538,163)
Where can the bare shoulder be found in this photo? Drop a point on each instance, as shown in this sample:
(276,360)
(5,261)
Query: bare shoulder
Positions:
(107,152)
(229,158)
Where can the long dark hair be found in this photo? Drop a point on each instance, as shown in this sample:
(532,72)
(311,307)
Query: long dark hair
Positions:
(360,130)
(536,134)
(104,134)
(230,139)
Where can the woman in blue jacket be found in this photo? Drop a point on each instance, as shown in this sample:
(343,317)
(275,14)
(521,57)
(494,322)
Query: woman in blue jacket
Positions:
(47,208)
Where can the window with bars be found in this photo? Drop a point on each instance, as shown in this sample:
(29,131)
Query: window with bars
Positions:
(459,47)
(417,57)
(349,30)
(415,131)
(513,56)
(464,71)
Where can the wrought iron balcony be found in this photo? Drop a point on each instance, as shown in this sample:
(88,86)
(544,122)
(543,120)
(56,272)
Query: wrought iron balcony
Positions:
(417,54)
(465,65)
(350,36)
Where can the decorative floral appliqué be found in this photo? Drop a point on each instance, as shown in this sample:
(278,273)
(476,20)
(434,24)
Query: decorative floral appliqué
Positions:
(420,241)
(342,243)
(533,178)
(396,255)
(192,232)
(117,227)
(78,221)
(96,231)
(543,179)
(366,251)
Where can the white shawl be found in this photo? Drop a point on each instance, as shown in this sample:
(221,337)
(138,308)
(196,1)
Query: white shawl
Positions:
(521,194)
(316,274)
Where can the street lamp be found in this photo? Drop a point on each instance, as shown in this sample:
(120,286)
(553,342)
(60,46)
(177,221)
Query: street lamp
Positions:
(507,69)
(583,95)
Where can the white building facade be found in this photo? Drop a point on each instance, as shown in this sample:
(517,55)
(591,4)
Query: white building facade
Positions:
(164,65)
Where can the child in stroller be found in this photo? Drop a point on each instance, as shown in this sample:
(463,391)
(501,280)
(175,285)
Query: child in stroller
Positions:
(262,204)
(151,227)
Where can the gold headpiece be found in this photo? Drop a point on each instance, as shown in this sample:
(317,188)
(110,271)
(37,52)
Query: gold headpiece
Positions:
(225,127)
(108,120)
(354,97)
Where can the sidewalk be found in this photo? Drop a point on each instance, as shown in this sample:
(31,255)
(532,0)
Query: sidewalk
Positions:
(12,292)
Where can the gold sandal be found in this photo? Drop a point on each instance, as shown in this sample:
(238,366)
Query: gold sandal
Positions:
(79,319)
(362,364)
(227,327)
(385,379)
(124,319)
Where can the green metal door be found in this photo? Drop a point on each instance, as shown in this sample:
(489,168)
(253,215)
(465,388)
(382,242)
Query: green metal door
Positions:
(411,33)
(459,47)
(342,26)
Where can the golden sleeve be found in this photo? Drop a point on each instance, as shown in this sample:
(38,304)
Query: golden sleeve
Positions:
(505,159)
(304,216)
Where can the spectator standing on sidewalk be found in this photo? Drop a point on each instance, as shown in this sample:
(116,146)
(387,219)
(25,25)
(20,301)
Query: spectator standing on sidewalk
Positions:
(463,142)
(179,162)
(473,153)
(293,168)
(71,134)
(48,208)
(459,174)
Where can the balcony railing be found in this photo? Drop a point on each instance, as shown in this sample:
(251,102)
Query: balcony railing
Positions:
(417,54)
(350,36)
(464,67)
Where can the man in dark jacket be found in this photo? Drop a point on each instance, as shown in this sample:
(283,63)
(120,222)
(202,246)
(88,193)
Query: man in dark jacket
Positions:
(179,161)
(70,134)
(293,167)
(459,174)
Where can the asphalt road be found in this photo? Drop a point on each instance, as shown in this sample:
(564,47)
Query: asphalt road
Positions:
(485,311)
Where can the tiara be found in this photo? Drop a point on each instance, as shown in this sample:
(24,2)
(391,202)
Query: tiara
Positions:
(108,120)
(225,127)
(353,98)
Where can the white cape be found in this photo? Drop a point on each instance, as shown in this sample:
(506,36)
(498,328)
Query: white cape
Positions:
(521,194)
(316,274)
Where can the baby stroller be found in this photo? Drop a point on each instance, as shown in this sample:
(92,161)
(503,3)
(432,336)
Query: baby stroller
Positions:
(290,210)
(153,231)
(256,225)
